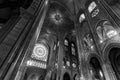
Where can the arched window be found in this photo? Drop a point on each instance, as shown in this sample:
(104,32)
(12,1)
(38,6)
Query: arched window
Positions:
(96,69)
(92,6)
(82,18)
(105,30)
(66,76)
(88,42)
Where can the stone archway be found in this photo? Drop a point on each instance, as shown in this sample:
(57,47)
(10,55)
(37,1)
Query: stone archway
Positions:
(96,69)
(114,57)
(66,76)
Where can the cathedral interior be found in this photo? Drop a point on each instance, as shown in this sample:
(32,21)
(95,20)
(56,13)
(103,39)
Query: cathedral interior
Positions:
(60,40)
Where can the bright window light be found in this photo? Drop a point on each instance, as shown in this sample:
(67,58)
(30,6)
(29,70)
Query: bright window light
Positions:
(66,42)
(101,74)
(74,65)
(40,52)
(36,64)
(101,41)
(82,18)
(111,33)
(68,63)
(92,7)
